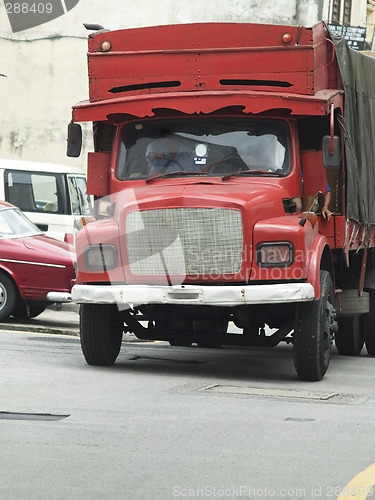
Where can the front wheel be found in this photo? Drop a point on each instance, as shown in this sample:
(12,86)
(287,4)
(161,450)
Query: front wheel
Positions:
(101,332)
(313,333)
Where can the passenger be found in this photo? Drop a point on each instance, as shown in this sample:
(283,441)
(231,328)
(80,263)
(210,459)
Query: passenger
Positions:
(326,213)
(309,200)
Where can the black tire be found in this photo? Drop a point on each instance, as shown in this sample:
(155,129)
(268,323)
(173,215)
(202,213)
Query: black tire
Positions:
(179,340)
(350,336)
(312,333)
(8,296)
(101,332)
(208,344)
(214,326)
(21,311)
(369,326)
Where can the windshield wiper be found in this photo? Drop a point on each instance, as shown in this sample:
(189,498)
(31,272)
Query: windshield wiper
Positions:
(249,172)
(175,173)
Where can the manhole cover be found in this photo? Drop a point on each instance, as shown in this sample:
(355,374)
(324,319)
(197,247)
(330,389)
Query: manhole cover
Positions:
(270,392)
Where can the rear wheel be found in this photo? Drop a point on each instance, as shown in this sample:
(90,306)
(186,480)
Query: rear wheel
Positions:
(312,333)
(369,326)
(8,296)
(101,332)
(350,336)
(33,309)
(211,326)
(179,340)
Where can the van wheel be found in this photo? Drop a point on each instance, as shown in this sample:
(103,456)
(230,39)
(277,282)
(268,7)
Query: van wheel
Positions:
(8,296)
(313,333)
(101,332)
(369,326)
(350,336)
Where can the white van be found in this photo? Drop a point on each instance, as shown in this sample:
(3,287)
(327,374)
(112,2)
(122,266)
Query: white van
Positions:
(52,196)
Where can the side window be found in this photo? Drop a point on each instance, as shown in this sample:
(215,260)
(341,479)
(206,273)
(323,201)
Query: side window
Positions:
(19,190)
(32,192)
(45,192)
(79,199)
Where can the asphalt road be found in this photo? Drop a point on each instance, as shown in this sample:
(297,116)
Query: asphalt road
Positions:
(165,423)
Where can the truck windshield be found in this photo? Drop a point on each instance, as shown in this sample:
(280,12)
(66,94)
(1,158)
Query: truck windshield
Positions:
(207,147)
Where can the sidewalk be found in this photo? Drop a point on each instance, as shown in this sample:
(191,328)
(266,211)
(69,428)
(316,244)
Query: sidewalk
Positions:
(60,319)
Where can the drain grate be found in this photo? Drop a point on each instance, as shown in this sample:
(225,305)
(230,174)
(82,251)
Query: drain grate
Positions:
(299,419)
(40,417)
(270,392)
(167,360)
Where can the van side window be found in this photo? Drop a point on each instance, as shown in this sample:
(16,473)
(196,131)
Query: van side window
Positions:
(32,192)
(79,199)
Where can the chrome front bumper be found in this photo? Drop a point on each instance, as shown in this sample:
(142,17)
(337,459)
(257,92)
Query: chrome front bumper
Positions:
(223,296)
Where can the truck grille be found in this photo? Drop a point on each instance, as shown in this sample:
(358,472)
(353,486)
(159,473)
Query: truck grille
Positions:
(184,241)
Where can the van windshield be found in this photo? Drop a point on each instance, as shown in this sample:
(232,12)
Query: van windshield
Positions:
(206,147)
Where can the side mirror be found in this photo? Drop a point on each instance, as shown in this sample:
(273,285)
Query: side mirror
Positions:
(331,151)
(74,145)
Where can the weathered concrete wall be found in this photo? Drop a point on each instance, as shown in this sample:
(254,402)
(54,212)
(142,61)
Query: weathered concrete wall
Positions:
(46,72)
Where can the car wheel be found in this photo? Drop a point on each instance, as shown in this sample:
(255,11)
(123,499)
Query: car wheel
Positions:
(101,332)
(22,311)
(313,333)
(8,296)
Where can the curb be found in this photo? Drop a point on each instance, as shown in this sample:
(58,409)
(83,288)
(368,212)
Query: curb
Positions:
(21,327)
(37,329)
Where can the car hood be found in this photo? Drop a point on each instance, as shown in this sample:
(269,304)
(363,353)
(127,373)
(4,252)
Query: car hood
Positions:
(48,249)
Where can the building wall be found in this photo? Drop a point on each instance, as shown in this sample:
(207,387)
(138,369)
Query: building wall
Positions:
(46,71)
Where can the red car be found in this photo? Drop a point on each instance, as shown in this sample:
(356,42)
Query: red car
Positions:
(35,270)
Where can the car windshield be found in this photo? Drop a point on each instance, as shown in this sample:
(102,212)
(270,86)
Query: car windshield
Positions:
(206,147)
(14,224)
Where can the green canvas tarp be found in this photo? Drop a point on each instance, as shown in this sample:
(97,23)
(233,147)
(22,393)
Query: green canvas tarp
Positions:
(358,75)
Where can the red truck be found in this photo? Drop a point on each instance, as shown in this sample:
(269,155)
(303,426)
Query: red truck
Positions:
(216,147)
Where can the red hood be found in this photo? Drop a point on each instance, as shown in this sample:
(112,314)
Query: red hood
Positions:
(258,200)
(50,250)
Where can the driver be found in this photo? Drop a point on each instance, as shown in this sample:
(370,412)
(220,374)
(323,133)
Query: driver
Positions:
(168,154)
